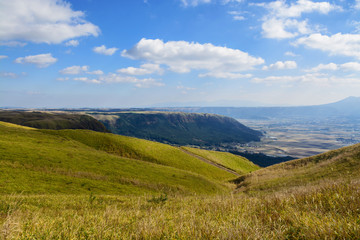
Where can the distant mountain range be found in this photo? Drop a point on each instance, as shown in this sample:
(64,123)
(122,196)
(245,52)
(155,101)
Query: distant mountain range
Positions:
(348,108)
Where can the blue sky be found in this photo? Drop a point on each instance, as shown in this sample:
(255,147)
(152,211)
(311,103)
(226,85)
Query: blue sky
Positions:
(136,53)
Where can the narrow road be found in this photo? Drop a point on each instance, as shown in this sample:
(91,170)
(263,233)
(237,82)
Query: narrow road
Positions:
(210,162)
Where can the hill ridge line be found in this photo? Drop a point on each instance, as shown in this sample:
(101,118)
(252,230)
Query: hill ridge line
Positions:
(208,161)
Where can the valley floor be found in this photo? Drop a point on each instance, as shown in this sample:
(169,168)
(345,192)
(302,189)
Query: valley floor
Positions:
(301,138)
(330,210)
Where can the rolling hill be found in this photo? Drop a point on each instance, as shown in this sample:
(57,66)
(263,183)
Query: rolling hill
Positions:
(83,161)
(179,128)
(341,164)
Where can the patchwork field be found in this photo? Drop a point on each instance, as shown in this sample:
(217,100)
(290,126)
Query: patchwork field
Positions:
(301,138)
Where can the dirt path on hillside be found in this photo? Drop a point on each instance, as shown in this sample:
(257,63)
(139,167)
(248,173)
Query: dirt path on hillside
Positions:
(209,162)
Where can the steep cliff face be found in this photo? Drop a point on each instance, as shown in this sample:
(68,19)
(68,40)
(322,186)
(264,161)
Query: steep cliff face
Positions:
(44,120)
(180,128)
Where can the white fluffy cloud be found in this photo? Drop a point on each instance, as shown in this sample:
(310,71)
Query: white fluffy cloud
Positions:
(282,20)
(322,67)
(147,68)
(72,43)
(41,60)
(290,54)
(42,21)
(349,66)
(337,44)
(182,57)
(279,65)
(96,72)
(74,70)
(105,51)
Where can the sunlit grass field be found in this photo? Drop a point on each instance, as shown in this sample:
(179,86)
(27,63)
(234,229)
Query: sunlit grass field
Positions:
(327,211)
(240,164)
(78,184)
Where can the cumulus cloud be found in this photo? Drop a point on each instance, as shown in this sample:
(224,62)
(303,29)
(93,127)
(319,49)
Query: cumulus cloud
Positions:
(147,68)
(282,19)
(72,43)
(3,57)
(290,54)
(322,67)
(87,80)
(279,65)
(105,51)
(349,66)
(42,21)
(74,70)
(337,44)
(182,57)
(41,60)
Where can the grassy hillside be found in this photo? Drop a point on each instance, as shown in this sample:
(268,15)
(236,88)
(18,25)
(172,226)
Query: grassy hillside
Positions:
(50,120)
(77,184)
(34,161)
(144,150)
(237,163)
(338,164)
(179,128)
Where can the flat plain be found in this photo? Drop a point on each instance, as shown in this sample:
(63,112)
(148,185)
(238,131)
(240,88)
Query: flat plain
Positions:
(299,138)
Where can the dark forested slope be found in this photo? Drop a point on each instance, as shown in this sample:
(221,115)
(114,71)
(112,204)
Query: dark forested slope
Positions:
(179,128)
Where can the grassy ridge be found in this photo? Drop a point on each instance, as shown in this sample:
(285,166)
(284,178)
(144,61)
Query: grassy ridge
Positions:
(32,161)
(144,150)
(343,163)
(179,128)
(237,163)
(51,120)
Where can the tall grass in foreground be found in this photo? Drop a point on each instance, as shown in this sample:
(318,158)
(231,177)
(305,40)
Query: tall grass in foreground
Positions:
(330,210)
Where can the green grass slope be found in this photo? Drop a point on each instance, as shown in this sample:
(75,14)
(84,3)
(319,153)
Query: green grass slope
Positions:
(145,150)
(33,161)
(51,120)
(341,164)
(237,163)
(179,128)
